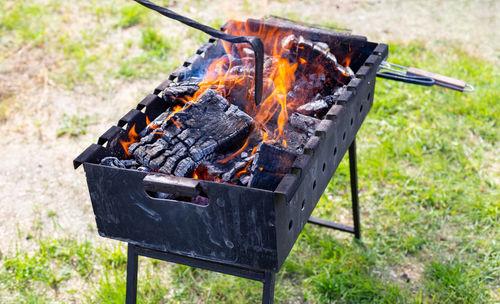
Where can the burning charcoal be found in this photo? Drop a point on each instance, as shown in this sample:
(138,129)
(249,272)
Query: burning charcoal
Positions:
(112,161)
(236,168)
(333,98)
(209,125)
(244,179)
(316,107)
(179,89)
(269,166)
(208,171)
(316,53)
(304,123)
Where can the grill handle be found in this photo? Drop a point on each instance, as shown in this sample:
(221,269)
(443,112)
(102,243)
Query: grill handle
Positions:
(254,42)
(175,185)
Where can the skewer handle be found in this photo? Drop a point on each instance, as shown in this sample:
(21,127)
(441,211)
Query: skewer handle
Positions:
(441,80)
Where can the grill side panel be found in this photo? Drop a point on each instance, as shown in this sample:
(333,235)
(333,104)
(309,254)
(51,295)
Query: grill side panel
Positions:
(237,227)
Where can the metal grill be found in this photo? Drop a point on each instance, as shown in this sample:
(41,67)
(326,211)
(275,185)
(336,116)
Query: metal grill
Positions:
(242,231)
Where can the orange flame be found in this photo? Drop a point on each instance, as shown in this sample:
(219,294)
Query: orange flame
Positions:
(281,68)
(347,61)
(132,137)
(242,171)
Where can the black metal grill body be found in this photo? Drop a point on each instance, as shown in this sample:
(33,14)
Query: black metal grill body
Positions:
(241,226)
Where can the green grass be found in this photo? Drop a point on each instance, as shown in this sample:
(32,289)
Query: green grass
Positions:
(74,125)
(462,283)
(154,56)
(132,14)
(55,261)
(84,55)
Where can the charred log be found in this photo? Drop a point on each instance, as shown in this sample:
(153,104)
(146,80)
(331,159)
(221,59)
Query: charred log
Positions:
(186,138)
(269,166)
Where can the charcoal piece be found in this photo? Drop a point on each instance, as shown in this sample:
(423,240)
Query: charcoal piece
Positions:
(129,163)
(316,53)
(317,80)
(209,171)
(238,166)
(180,89)
(304,123)
(338,91)
(316,107)
(295,141)
(158,121)
(244,180)
(143,169)
(269,166)
(200,200)
(207,126)
(161,195)
(112,161)
(265,180)
(272,159)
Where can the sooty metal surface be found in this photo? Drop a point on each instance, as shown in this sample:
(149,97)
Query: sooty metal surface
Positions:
(240,226)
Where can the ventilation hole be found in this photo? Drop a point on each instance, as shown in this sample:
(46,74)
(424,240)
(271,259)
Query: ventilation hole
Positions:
(361,108)
(352,121)
(343,136)
(335,151)
(324,167)
(368,97)
(303,205)
(314,184)
(290,225)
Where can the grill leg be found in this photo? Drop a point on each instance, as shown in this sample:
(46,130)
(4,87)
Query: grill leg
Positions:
(353,168)
(132,265)
(268,292)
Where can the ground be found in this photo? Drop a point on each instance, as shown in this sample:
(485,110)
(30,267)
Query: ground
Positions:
(429,158)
